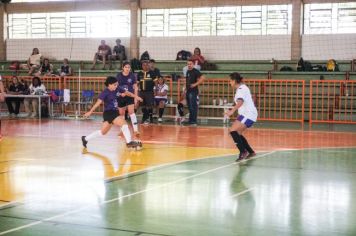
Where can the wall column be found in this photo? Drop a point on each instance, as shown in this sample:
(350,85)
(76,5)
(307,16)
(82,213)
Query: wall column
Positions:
(134,42)
(3,32)
(297,23)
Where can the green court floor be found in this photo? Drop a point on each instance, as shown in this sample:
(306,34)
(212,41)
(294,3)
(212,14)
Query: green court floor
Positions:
(289,192)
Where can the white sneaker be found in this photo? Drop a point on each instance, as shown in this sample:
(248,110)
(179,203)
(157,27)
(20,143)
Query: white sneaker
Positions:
(160,120)
(12,115)
(33,115)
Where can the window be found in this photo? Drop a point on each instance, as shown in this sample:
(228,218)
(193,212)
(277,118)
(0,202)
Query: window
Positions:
(238,20)
(70,24)
(329,18)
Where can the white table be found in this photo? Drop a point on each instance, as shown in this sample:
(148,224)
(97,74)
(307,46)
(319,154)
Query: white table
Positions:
(39,97)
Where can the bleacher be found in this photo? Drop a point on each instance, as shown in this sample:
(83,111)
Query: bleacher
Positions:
(251,70)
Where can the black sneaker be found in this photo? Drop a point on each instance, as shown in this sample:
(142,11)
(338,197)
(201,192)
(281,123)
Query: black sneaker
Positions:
(132,144)
(242,156)
(84,142)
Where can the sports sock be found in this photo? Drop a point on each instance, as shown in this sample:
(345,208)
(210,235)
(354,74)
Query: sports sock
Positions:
(238,141)
(126,132)
(134,122)
(93,135)
(247,146)
(160,111)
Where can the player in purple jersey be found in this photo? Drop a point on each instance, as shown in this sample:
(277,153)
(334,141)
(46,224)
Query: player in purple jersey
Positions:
(128,81)
(110,114)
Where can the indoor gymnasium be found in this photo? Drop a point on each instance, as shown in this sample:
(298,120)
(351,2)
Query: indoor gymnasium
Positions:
(178,118)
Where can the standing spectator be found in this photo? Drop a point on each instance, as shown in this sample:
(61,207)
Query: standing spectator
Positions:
(193,79)
(118,54)
(161,91)
(46,68)
(34,61)
(103,53)
(36,88)
(198,60)
(15,88)
(246,118)
(66,69)
(128,82)
(146,84)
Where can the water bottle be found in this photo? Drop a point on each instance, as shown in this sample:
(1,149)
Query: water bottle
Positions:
(225,101)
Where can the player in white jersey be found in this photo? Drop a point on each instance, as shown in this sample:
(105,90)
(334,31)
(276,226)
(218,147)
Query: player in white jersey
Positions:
(160,91)
(246,118)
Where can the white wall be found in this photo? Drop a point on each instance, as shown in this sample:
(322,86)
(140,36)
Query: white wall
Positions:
(220,47)
(73,49)
(322,47)
(315,47)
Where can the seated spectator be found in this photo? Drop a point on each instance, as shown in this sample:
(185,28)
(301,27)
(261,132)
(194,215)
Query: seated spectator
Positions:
(66,69)
(34,61)
(118,54)
(103,53)
(15,88)
(198,60)
(161,91)
(46,68)
(36,88)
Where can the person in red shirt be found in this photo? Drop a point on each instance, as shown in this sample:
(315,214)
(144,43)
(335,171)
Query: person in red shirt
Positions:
(103,53)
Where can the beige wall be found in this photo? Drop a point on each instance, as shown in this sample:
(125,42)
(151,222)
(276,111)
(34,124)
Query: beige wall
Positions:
(2,33)
(133,44)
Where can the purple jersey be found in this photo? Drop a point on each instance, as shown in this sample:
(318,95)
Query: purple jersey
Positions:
(110,98)
(126,82)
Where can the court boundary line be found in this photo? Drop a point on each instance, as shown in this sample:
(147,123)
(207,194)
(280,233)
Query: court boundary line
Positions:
(243,192)
(130,195)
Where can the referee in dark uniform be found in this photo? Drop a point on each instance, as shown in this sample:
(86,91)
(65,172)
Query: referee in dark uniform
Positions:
(146,81)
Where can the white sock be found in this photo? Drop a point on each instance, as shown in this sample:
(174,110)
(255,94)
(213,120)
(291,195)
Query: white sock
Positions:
(126,132)
(134,122)
(93,135)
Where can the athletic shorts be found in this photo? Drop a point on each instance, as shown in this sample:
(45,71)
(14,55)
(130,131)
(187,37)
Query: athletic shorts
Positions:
(110,116)
(158,100)
(125,101)
(245,121)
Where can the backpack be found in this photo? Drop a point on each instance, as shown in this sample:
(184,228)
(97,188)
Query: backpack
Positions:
(183,55)
(331,65)
(145,56)
(44,111)
(304,65)
(286,68)
(135,65)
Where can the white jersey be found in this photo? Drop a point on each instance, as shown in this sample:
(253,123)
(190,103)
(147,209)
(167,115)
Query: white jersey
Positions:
(248,108)
(161,88)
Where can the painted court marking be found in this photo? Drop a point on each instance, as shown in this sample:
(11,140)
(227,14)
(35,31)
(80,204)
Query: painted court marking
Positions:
(132,194)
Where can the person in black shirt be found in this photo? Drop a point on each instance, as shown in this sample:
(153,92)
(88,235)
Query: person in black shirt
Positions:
(146,82)
(193,79)
(156,72)
(15,88)
(118,53)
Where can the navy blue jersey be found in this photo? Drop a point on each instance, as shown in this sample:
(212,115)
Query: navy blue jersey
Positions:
(126,82)
(110,98)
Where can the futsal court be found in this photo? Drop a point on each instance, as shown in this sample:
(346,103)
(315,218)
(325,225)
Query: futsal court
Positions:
(185,181)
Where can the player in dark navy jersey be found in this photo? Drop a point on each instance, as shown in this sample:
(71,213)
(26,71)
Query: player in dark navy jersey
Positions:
(110,115)
(128,82)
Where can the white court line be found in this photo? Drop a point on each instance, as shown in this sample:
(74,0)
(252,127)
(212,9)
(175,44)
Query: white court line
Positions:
(243,192)
(129,195)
